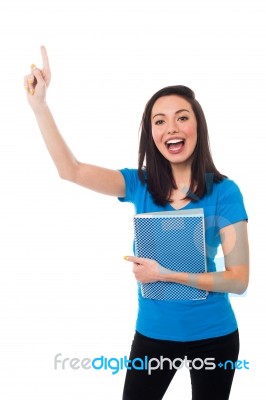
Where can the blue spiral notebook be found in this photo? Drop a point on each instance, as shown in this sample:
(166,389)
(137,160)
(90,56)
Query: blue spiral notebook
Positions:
(176,240)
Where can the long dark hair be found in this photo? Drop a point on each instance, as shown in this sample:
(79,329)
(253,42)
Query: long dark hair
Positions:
(156,171)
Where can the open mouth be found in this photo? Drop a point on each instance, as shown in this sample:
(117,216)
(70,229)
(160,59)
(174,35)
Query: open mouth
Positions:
(174,145)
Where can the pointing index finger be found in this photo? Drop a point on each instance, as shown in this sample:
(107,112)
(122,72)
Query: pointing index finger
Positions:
(134,259)
(45,60)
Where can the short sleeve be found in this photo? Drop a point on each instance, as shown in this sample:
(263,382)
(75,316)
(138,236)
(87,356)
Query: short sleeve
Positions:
(131,183)
(230,204)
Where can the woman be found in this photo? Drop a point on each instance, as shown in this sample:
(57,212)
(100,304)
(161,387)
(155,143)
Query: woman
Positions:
(176,171)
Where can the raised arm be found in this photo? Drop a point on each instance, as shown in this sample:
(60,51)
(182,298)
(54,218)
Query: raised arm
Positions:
(102,180)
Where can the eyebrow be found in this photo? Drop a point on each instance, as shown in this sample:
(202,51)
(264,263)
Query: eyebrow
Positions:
(177,112)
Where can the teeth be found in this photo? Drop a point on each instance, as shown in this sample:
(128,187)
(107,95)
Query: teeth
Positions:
(173,141)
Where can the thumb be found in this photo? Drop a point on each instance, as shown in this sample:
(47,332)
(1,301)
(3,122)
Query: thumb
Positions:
(38,75)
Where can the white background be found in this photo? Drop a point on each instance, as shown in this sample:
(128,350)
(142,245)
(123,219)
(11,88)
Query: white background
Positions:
(64,286)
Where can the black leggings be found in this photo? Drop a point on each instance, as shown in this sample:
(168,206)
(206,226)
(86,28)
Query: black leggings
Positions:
(207,384)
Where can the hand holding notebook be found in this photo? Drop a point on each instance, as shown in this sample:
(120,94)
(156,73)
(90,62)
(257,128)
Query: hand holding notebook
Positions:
(176,240)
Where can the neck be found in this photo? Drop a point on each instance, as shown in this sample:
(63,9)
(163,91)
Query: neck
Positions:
(182,176)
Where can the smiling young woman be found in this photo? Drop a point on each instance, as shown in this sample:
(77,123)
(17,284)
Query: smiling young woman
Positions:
(175,170)
(174,131)
(165,172)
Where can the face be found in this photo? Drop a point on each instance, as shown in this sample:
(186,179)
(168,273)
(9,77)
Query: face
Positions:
(174,128)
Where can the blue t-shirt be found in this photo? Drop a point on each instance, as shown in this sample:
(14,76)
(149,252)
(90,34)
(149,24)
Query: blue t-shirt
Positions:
(188,320)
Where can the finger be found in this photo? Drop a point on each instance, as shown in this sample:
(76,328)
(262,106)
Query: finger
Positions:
(38,76)
(29,83)
(136,260)
(31,80)
(45,61)
(26,84)
(33,68)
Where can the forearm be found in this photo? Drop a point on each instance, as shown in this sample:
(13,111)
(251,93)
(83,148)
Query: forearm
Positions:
(102,180)
(95,178)
(226,281)
(233,280)
(63,158)
(236,258)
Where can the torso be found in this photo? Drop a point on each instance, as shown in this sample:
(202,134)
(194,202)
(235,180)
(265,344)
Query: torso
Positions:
(189,320)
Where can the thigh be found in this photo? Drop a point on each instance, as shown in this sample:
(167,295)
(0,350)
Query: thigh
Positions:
(209,384)
(151,384)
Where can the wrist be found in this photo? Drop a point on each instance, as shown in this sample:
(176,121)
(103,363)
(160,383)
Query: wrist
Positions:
(165,274)
(40,108)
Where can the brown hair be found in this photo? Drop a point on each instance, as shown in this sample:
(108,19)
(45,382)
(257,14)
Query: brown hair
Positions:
(156,171)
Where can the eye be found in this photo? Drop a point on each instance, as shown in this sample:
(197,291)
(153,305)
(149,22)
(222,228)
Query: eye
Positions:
(183,118)
(159,122)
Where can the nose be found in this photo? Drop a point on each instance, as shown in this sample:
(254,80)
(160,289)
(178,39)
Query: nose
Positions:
(173,128)
(173,131)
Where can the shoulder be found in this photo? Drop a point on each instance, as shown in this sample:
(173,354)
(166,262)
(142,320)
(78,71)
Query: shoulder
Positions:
(129,171)
(130,176)
(227,188)
(227,183)
(134,186)
(230,206)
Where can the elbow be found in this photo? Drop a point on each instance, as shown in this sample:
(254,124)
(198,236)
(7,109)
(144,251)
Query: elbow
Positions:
(239,278)
(68,174)
(241,287)
(65,176)
(240,291)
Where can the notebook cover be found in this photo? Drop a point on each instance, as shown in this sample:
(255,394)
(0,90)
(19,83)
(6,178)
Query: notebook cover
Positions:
(176,240)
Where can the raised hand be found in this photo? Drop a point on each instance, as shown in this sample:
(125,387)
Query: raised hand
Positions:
(37,82)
